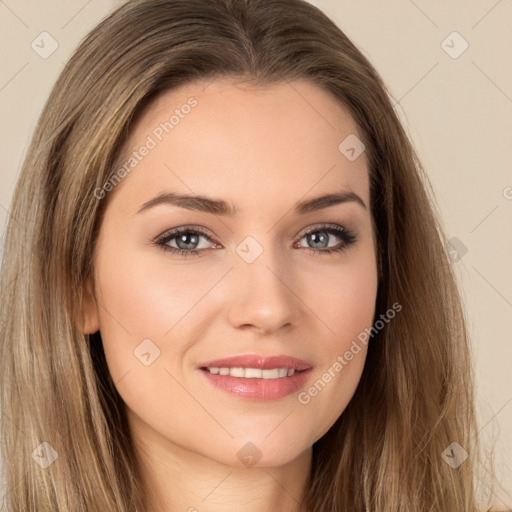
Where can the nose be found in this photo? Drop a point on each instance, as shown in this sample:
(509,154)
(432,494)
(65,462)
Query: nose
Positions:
(262,294)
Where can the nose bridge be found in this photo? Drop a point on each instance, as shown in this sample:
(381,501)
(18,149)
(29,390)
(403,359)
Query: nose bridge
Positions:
(262,291)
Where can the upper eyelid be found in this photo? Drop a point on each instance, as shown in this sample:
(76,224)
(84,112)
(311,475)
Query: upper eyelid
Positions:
(326,225)
(172,233)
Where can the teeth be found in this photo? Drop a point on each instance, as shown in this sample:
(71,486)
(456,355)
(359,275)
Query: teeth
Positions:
(249,373)
(237,372)
(253,373)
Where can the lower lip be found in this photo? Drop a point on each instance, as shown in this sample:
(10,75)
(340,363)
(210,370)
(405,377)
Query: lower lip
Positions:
(258,389)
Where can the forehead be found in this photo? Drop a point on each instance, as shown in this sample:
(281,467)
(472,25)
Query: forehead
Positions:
(244,143)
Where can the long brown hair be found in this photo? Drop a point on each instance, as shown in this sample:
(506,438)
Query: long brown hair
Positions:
(415,397)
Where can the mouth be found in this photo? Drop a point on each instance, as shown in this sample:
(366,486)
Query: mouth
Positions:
(257,377)
(251,373)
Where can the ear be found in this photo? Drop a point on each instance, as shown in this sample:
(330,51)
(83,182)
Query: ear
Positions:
(90,317)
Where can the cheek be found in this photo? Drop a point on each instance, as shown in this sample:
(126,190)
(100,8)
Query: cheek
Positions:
(142,297)
(143,308)
(343,300)
(345,304)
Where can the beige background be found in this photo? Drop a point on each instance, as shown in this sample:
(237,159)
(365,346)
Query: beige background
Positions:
(457,110)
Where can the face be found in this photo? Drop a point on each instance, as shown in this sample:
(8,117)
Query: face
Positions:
(254,270)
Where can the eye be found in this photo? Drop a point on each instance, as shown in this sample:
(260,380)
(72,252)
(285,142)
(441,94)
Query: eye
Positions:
(185,241)
(318,238)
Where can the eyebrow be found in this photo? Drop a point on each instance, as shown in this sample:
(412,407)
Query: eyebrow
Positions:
(221,207)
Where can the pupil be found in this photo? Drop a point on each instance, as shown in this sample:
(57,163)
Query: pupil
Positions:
(315,238)
(183,238)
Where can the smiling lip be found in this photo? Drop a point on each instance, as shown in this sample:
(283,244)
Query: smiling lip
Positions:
(258,389)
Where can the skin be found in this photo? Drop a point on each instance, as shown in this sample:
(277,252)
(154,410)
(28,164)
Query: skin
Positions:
(262,150)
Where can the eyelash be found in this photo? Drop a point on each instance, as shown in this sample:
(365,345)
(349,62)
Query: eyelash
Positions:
(348,238)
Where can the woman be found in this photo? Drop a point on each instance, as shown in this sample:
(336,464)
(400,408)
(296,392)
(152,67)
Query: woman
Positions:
(225,284)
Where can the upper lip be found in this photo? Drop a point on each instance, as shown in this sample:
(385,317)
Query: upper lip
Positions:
(257,361)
